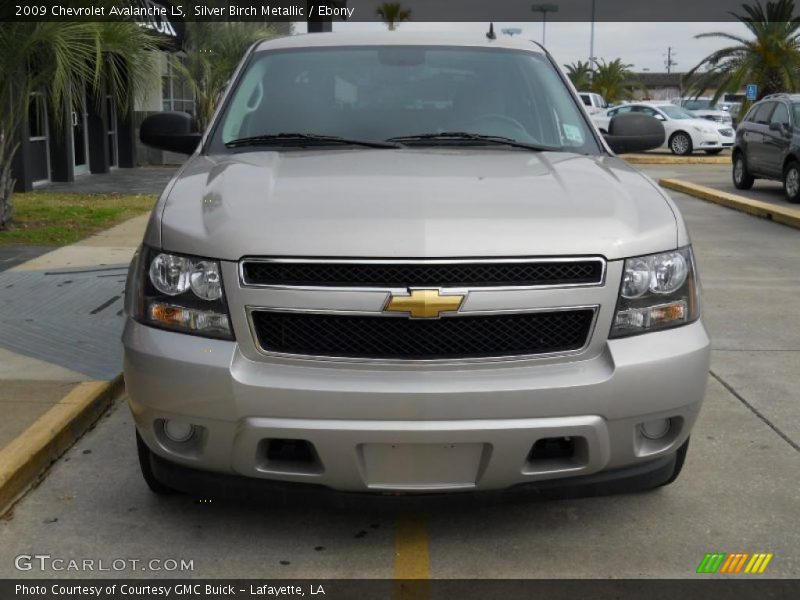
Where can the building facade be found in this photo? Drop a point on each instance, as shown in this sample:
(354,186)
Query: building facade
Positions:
(92,135)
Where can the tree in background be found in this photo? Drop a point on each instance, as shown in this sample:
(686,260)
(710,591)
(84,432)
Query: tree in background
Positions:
(212,53)
(392,13)
(770,59)
(580,74)
(61,60)
(612,80)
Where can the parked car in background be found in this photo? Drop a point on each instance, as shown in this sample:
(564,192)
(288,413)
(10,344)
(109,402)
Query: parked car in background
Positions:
(706,108)
(733,109)
(685,131)
(768,145)
(594,103)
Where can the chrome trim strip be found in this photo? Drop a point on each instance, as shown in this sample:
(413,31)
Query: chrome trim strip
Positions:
(595,308)
(420,261)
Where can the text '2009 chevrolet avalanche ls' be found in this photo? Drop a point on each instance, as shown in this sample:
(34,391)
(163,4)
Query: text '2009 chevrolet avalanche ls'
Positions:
(409,263)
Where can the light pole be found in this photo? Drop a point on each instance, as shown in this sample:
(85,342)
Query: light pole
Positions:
(591,45)
(544,9)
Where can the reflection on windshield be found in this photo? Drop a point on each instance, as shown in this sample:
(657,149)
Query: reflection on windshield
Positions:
(700,105)
(675,112)
(383,92)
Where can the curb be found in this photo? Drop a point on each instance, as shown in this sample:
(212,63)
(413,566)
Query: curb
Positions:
(758,208)
(651,159)
(25,458)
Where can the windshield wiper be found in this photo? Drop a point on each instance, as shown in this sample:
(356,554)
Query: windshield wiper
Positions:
(472,137)
(304,138)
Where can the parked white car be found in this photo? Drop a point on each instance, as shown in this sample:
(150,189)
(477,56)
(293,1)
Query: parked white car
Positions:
(705,108)
(685,132)
(594,103)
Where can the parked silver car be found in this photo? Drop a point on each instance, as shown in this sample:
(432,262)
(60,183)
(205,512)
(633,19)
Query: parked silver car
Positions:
(410,263)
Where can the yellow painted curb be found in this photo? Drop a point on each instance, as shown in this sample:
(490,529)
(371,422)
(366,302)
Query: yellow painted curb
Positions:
(655,159)
(26,457)
(779,214)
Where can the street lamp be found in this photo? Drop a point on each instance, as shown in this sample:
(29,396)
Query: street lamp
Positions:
(591,44)
(544,9)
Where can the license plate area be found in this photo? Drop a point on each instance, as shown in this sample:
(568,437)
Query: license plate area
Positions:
(421,467)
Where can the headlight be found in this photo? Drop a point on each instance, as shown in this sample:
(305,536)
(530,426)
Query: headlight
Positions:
(178,292)
(657,291)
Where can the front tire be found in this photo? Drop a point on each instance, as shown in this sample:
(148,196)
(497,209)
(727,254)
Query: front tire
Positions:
(680,458)
(742,180)
(680,144)
(791,182)
(146,466)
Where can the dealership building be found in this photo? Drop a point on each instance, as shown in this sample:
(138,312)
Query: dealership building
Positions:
(96,136)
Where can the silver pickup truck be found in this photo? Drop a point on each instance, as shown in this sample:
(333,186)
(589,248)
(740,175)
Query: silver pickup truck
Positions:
(409,263)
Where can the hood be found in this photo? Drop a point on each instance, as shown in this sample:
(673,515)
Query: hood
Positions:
(412,203)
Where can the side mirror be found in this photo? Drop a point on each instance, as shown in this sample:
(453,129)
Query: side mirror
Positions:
(170,131)
(634,132)
(782,128)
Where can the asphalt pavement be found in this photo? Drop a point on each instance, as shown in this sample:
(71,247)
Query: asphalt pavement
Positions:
(738,491)
(719,178)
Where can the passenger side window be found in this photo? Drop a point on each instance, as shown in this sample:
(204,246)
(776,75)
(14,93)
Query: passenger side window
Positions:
(761,114)
(780,115)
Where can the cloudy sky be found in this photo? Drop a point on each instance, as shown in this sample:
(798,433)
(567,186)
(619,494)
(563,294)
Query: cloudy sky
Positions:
(642,44)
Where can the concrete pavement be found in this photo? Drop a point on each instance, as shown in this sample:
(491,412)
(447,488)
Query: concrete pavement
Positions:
(719,177)
(60,308)
(738,490)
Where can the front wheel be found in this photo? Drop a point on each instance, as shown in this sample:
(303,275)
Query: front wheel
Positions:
(742,179)
(680,458)
(146,466)
(791,182)
(681,144)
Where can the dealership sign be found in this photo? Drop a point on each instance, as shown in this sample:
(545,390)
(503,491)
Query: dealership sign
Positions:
(160,17)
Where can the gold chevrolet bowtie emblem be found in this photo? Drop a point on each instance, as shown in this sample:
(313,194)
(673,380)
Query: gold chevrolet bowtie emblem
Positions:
(425,304)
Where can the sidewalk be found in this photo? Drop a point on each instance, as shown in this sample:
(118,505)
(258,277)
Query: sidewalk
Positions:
(60,323)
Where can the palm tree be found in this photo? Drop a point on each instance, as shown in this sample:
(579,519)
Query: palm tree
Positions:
(770,59)
(212,52)
(612,80)
(580,74)
(393,13)
(61,60)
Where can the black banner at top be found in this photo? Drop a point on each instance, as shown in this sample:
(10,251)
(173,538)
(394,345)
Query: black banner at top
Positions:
(448,11)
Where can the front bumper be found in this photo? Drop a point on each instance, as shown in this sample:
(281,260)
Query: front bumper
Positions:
(387,428)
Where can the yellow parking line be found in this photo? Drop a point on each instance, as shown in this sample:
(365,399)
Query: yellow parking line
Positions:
(411,558)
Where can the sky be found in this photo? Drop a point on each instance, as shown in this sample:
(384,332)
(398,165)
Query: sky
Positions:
(643,45)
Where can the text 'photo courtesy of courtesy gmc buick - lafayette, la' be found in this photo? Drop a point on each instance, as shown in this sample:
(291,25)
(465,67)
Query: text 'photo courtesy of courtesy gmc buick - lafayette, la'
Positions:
(410,263)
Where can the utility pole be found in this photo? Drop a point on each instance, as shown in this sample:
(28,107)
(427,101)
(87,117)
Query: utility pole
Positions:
(669,63)
(544,9)
(591,45)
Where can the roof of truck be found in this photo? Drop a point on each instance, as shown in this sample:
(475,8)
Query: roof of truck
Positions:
(393,38)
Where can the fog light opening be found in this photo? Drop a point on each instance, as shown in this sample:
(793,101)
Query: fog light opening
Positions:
(655,429)
(178,431)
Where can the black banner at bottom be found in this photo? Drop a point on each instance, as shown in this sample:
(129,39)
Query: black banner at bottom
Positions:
(365,589)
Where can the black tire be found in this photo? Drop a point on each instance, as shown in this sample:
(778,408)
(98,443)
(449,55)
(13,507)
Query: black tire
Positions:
(680,143)
(742,180)
(147,469)
(714,152)
(791,182)
(680,458)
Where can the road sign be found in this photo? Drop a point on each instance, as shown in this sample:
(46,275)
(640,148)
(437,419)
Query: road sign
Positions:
(752,91)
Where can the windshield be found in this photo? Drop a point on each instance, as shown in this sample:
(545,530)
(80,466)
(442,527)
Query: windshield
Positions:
(676,112)
(699,105)
(382,92)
